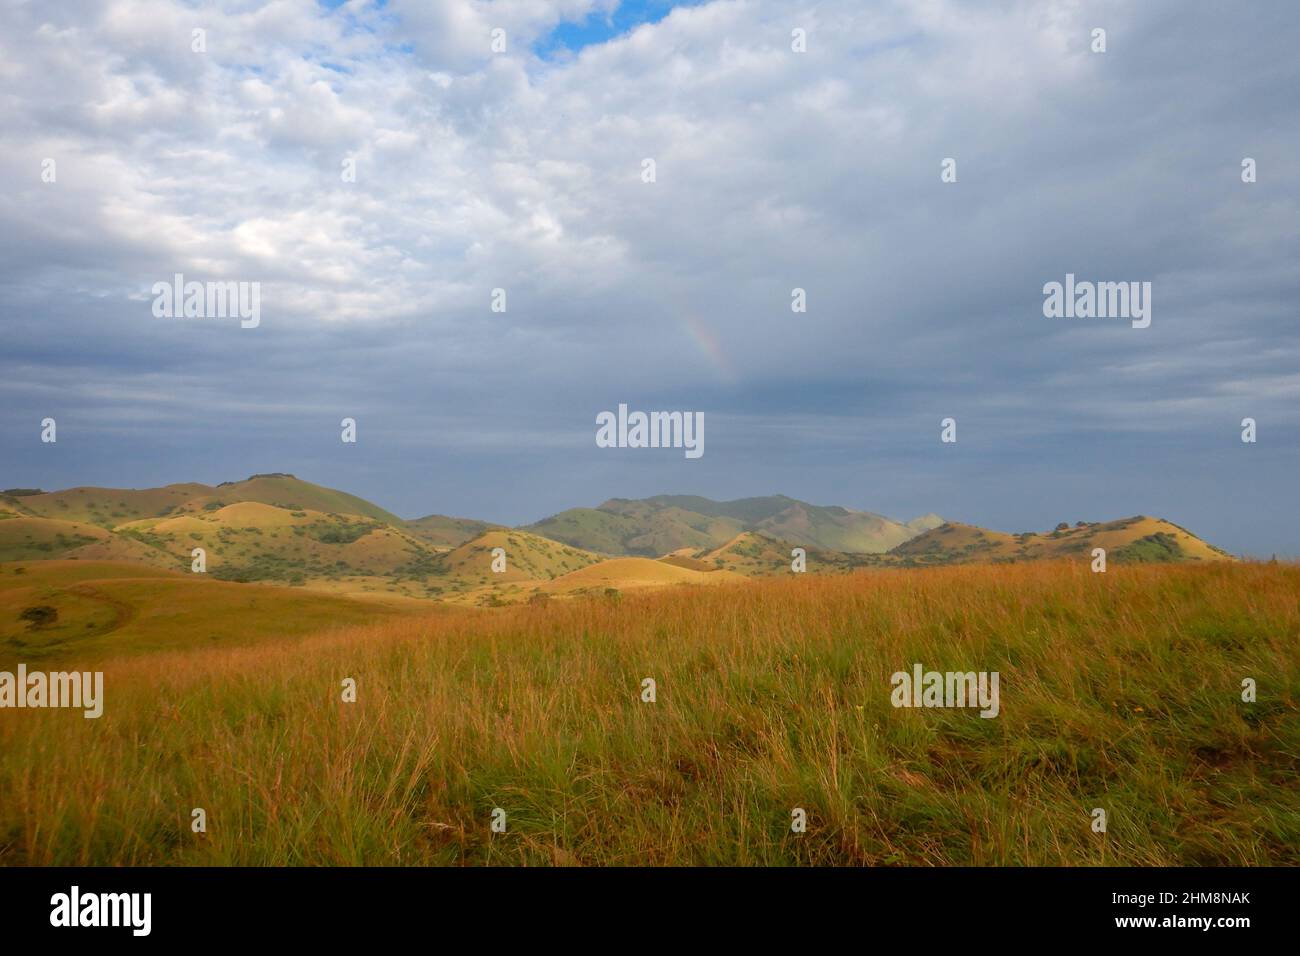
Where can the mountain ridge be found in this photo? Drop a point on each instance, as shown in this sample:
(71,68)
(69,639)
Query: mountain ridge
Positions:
(276,528)
(660,524)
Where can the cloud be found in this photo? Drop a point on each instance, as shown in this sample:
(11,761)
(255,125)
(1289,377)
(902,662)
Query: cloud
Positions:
(775,170)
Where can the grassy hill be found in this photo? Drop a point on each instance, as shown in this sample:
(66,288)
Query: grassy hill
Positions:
(634,529)
(623,574)
(666,523)
(267,528)
(528,557)
(106,507)
(95,610)
(836,529)
(441,531)
(251,541)
(294,494)
(279,529)
(111,507)
(754,554)
(1119,691)
(1136,539)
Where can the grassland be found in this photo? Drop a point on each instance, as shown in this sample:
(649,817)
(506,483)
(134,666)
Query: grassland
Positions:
(110,610)
(1120,691)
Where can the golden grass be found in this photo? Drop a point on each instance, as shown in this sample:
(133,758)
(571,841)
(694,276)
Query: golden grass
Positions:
(1120,691)
(110,610)
(631,573)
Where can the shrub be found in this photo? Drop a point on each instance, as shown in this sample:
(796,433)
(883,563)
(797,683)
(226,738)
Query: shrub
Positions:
(39,615)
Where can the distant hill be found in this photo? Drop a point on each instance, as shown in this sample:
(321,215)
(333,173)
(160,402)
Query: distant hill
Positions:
(754,554)
(1139,539)
(279,529)
(662,524)
(110,507)
(272,527)
(444,532)
(294,494)
(635,529)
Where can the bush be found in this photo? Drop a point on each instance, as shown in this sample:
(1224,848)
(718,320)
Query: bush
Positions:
(39,615)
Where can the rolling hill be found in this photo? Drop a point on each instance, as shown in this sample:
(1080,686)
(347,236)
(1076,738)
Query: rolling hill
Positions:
(754,554)
(278,529)
(665,523)
(1136,539)
(441,531)
(527,557)
(629,574)
(110,507)
(272,527)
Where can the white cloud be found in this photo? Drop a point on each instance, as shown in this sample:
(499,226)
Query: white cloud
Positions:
(775,170)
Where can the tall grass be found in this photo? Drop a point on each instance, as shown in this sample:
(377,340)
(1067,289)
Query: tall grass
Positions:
(1119,691)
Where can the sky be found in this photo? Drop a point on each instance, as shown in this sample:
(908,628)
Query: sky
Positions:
(775,169)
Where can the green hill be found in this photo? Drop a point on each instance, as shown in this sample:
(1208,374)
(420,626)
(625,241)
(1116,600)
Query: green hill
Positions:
(111,507)
(294,494)
(444,532)
(1129,540)
(667,523)
(276,528)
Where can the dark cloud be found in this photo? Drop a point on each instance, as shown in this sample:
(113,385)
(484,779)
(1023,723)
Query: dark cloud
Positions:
(775,170)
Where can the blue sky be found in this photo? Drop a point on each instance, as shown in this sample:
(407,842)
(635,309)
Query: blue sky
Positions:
(600,26)
(775,170)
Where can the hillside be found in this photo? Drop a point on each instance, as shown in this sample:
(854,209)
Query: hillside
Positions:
(106,507)
(441,531)
(278,529)
(753,554)
(643,531)
(294,494)
(527,557)
(269,527)
(1136,539)
(666,523)
(111,507)
(629,574)
(87,610)
(837,529)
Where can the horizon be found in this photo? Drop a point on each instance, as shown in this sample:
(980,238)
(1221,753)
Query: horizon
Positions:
(523,525)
